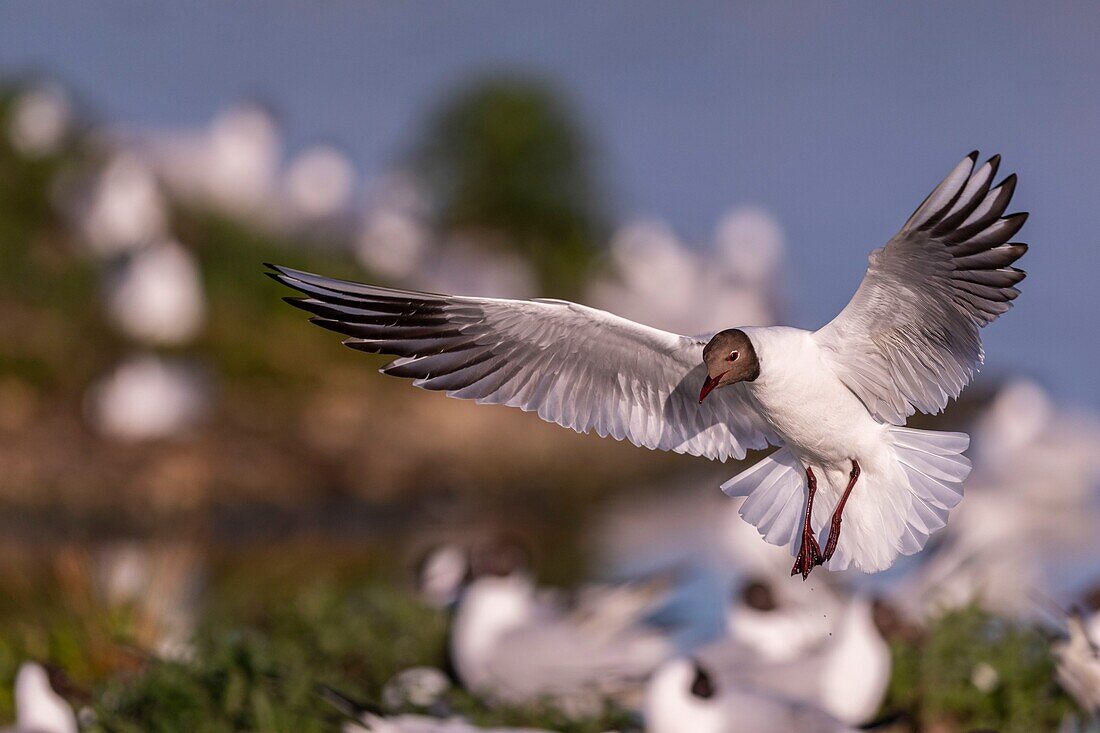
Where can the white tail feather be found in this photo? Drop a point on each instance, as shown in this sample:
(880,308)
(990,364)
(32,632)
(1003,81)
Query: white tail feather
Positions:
(894,509)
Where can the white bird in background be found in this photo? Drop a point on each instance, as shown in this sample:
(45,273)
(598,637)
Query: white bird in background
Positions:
(683,696)
(319,182)
(832,399)
(846,676)
(778,625)
(155,294)
(511,642)
(38,709)
(658,279)
(41,118)
(441,573)
(146,398)
(123,209)
(1078,665)
(233,164)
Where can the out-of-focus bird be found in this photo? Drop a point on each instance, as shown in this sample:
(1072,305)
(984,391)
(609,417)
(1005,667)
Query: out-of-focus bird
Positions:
(155,294)
(846,676)
(684,696)
(833,399)
(122,209)
(41,118)
(1078,664)
(777,626)
(511,642)
(319,182)
(38,709)
(146,398)
(658,279)
(440,574)
(232,164)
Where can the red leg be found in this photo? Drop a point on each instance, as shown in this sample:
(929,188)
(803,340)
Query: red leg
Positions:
(834,530)
(809,552)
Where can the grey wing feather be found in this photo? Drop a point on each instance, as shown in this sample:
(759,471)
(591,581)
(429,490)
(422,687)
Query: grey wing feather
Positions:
(560,658)
(908,340)
(579,367)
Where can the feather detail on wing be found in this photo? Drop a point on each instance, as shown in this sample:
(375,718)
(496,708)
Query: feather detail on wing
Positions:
(908,340)
(579,367)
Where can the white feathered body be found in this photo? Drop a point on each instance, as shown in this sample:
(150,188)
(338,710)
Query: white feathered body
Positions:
(823,425)
(816,416)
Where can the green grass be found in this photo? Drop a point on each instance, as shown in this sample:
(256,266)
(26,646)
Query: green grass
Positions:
(273,630)
(933,676)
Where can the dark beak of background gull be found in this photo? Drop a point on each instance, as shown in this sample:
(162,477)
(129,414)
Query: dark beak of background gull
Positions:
(708,386)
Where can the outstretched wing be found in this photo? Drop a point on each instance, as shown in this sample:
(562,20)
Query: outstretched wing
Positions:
(582,368)
(908,340)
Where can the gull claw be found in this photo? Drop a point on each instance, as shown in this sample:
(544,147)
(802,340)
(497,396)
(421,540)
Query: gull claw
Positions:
(809,556)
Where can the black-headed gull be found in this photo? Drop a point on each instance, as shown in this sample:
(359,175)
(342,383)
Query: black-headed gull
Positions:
(509,643)
(846,676)
(833,399)
(684,695)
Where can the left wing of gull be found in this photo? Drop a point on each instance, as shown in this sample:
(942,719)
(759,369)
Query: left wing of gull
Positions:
(576,366)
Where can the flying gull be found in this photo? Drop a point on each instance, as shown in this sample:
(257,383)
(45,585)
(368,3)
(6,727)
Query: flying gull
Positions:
(833,400)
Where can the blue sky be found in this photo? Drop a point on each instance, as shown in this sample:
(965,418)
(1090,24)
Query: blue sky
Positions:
(838,117)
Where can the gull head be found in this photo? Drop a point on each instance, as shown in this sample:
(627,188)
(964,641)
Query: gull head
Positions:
(729,358)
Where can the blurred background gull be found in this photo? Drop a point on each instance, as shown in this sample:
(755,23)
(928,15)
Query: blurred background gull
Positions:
(212,512)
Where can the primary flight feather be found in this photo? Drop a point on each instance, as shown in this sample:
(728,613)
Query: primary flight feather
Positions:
(833,400)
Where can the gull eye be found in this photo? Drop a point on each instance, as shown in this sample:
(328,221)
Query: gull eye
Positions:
(733,356)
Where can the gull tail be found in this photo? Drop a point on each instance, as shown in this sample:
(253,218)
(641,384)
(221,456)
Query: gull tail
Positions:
(898,503)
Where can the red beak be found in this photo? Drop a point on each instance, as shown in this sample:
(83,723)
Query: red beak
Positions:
(709,385)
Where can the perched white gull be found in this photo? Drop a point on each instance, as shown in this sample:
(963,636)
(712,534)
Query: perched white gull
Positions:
(847,676)
(510,643)
(685,696)
(833,399)
(779,626)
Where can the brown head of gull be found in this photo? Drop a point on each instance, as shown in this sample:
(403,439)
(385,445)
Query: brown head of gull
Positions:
(730,358)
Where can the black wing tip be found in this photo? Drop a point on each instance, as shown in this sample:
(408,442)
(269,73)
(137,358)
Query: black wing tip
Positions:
(331,324)
(973,155)
(299,303)
(360,345)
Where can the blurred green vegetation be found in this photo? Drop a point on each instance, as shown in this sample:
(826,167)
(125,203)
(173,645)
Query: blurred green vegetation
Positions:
(278,622)
(506,157)
(275,626)
(938,678)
